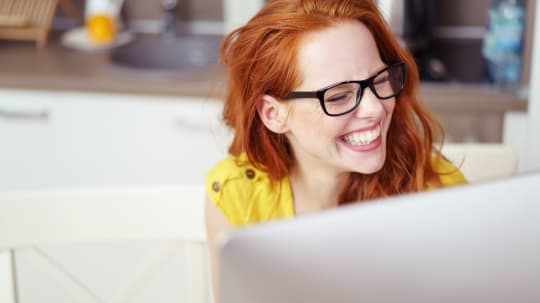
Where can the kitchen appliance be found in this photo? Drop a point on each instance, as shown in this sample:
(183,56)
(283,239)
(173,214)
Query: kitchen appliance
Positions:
(413,23)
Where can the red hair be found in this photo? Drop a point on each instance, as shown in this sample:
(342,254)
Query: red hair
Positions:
(261,58)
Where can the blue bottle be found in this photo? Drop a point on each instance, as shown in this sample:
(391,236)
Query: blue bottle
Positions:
(503,43)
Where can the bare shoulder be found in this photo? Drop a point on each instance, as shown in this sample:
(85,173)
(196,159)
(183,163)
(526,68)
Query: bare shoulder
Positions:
(215,220)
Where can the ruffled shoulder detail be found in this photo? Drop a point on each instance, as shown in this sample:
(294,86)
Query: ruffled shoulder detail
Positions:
(244,193)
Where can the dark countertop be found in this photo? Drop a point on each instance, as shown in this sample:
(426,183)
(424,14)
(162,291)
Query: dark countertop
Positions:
(55,67)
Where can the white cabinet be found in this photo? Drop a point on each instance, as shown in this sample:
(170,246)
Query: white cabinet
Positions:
(54,139)
(67,139)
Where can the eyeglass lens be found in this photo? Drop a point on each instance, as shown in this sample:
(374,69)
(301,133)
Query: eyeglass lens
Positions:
(344,97)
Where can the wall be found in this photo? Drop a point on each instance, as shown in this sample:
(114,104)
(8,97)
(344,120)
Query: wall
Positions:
(147,15)
(201,16)
(522,130)
(208,10)
(151,9)
(532,158)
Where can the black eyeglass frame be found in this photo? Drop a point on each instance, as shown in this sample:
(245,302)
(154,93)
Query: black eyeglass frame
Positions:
(319,94)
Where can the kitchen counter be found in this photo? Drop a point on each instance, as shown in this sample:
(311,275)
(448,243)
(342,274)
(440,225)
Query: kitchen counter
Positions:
(55,67)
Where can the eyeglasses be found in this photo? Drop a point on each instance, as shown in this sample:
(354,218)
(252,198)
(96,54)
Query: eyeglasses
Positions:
(342,98)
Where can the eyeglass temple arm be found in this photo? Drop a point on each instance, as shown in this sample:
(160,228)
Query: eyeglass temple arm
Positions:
(293,95)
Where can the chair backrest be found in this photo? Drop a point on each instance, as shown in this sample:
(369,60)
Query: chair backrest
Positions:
(482,161)
(52,217)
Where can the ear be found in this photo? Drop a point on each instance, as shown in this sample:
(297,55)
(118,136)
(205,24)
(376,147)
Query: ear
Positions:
(273,113)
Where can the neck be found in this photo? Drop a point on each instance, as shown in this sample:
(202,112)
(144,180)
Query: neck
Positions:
(315,190)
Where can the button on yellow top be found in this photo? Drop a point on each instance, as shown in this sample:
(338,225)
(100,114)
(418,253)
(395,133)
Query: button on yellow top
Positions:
(215,186)
(250,173)
(246,194)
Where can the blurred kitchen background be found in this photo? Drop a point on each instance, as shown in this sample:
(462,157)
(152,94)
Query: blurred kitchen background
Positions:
(144,109)
(445,36)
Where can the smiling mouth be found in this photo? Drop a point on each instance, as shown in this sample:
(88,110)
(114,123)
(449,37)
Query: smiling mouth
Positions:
(363,137)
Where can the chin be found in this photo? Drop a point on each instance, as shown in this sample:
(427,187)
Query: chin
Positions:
(370,166)
(370,170)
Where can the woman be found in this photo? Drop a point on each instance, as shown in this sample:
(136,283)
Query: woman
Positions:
(322,102)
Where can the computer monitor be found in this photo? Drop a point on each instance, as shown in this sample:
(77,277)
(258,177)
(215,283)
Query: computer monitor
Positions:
(473,243)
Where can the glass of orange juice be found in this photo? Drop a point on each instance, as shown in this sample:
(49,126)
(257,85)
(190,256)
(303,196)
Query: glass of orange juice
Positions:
(101,20)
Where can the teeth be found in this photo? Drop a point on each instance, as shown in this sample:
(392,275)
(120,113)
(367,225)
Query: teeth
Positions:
(363,138)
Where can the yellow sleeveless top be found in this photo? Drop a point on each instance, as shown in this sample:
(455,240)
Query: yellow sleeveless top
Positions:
(246,195)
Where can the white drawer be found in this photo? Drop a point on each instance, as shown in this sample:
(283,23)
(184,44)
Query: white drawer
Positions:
(73,139)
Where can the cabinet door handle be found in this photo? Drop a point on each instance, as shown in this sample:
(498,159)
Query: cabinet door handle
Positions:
(41,115)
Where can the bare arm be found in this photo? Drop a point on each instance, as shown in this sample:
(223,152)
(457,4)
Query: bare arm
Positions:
(216,224)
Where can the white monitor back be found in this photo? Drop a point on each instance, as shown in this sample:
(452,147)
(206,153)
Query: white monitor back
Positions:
(474,243)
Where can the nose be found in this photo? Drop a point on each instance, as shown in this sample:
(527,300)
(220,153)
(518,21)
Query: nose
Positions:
(370,105)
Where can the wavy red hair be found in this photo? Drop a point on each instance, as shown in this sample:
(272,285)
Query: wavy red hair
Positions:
(261,58)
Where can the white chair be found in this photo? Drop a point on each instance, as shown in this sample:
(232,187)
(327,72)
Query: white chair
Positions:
(32,219)
(482,161)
